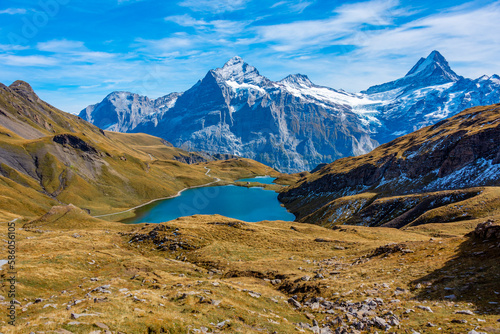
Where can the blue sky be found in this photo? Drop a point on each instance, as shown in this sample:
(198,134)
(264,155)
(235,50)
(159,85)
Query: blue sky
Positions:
(75,52)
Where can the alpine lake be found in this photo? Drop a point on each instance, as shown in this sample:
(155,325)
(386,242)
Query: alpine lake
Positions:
(250,204)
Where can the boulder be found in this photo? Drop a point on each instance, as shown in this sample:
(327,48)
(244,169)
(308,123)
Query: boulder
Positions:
(488,230)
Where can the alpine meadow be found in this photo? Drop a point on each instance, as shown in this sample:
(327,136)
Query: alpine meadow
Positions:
(296,166)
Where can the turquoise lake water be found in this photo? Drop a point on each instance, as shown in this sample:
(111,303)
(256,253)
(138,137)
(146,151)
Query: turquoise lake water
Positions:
(260,179)
(248,204)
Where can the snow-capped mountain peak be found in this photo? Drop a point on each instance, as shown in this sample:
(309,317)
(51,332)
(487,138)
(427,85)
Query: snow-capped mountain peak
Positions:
(495,78)
(297,80)
(431,71)
(434,64)
(233,61)
(423,63)
(294,124)
(237,70)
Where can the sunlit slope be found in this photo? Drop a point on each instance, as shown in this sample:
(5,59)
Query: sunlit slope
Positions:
(446,172)
(49,157)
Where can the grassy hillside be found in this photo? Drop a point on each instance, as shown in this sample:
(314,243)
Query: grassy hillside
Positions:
(446,172)
(48,157)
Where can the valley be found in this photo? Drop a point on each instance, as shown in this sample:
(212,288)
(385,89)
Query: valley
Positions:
(388,241)
(249,167)
(49,157)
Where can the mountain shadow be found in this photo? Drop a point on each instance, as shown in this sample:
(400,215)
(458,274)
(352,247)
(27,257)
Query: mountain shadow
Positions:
(471,276)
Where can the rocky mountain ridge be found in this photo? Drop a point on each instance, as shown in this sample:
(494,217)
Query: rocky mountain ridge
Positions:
(293,124)
(431,71)
(436,166)
(236,110)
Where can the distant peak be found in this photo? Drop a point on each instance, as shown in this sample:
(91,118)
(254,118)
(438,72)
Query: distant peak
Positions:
(297,79)
(236,69)
(297,76)
(433,60)
(436,55)
(19,84)
(120,93)
(430,71)
(234,61)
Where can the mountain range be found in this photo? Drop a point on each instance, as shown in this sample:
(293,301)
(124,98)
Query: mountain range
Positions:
(293,124)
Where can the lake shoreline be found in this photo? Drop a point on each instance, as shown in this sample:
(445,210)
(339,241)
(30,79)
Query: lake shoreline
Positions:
(216,179)
(264,186)
(247,203)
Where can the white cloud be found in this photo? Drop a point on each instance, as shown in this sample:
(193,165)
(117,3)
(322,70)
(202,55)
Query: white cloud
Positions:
(60,46)
(13,11)
(74,51)
(225,27)
(214,6)
(62,55)
(452,30)
(37,61)
(280,3)
(300,6)
(12,47)
(293,6)
(228,27)
(186,21)
(467,37)
(176,43)
(347,19)
(375,12)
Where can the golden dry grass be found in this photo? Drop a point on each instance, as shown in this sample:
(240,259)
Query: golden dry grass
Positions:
(60,253)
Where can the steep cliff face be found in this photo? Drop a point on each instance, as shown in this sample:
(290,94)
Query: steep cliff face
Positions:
(290,125)
(457,153)
(121,111)
(235,110)
(293,124)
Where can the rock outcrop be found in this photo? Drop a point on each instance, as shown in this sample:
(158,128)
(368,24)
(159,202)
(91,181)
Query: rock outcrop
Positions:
(488,230)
